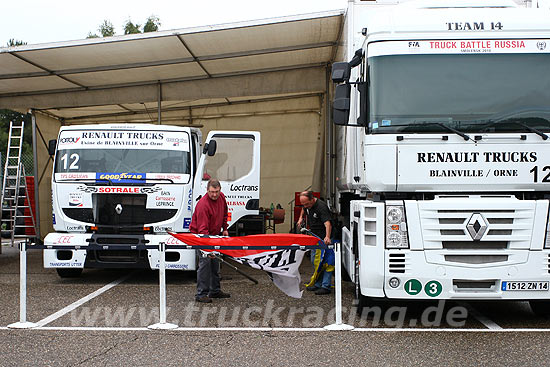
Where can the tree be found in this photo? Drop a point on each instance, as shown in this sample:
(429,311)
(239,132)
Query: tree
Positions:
(131,28)
(152,24)
(106,29)
(8,115)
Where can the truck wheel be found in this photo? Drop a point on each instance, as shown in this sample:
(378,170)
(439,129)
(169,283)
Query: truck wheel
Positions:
(540,307)
(69,273)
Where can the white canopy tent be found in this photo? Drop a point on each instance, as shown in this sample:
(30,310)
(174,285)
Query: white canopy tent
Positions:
(269,75)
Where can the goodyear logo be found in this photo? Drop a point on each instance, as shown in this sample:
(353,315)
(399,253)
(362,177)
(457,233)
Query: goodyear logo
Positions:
(121,177)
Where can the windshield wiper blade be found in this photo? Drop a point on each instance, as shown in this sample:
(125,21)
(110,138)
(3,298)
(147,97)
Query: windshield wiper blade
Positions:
(457,132)
(533,130)
(136,181)
(516,121)
(448,128)
(111,183)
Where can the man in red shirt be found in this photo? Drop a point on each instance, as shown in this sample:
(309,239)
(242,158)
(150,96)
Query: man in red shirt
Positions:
(210,217)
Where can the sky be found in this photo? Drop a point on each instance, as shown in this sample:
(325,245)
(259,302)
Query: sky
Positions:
(42,21)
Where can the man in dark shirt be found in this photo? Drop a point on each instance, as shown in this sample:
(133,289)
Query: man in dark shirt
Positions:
(316,214)
(210,217)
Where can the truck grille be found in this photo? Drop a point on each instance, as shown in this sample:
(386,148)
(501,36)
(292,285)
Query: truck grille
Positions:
(461,224)
(134,212)
(397,263)
(471,245)
(476,259)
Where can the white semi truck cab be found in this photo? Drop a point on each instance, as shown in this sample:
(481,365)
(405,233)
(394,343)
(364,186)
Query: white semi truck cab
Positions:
(443,157)
(126,185)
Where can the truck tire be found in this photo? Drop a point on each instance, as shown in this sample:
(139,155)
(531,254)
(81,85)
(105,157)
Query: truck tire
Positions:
(540,307)
(69,273)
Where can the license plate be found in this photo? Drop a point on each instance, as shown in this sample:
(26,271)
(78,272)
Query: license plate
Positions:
(525,286)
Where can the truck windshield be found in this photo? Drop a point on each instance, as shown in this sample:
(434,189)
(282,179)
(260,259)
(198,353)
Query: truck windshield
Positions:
(123,156)
(122,161)
(466,92)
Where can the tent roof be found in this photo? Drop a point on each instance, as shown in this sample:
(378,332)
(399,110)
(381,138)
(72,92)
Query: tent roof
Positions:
(122,74)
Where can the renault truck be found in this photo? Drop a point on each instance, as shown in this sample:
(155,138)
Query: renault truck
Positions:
(126,186)
(442,172)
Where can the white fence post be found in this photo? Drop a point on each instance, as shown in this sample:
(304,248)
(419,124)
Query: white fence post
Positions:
(22,324)
(162,324)
(338,325)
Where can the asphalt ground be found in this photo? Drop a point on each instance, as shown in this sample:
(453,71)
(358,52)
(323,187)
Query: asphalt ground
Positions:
(102,317)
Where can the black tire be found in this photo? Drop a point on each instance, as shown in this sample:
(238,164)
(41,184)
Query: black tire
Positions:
(540,307)
(69,273)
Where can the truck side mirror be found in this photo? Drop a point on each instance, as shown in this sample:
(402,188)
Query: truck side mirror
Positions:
(341,72)
(210,148)
(52,144)
(341,104)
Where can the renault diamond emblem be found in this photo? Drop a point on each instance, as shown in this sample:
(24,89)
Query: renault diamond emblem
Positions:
(477,226)
(118,209)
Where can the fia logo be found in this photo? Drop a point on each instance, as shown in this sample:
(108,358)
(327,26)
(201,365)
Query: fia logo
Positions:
(414,44)
(541,45)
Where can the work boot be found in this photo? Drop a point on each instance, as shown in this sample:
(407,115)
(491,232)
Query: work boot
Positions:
(220,294)
(322,291)
(312,288)
(203,299)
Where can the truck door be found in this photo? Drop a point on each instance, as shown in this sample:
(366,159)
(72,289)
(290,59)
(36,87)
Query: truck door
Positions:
(232,157)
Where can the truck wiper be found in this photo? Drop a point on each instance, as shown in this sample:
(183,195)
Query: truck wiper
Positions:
(531,129)
(141,180)
(156,179)
(522,124)
(90,180)
(95,181)
(448,128)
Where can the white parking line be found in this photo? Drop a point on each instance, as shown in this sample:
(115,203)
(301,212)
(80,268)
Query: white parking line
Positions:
(267,329)
(81,301)
(490,324)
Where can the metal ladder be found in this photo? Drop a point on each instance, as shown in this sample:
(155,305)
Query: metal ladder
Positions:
(15,196)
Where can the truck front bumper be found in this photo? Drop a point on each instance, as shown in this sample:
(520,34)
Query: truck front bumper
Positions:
(418,278)
(119,252)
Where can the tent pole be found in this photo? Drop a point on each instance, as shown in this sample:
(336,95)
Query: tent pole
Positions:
(36,180)
(159,99)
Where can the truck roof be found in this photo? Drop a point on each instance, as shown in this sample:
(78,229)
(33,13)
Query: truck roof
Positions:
(420,20)
(140,127)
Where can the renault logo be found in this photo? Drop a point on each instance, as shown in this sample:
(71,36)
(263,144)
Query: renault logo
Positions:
(477,226)
(118,209)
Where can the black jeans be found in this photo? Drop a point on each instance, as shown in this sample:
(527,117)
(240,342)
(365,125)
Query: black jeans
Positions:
(208,276)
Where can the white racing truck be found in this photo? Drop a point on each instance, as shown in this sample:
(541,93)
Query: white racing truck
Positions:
(443,163)
(126,185)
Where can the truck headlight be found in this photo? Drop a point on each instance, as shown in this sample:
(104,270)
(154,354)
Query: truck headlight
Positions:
(394,240)
(396,227)
(394,214)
